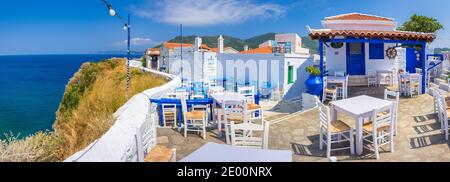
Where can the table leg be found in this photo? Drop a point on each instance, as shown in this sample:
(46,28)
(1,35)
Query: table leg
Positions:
(359,136)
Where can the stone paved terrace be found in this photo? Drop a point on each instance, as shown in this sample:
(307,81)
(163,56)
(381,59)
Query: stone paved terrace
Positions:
(418,138)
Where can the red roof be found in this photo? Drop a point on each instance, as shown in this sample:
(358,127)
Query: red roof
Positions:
(171,45)
(358,16)
(401,35)
(261,50)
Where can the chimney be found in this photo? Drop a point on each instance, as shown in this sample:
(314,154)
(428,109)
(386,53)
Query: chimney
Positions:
(220,45)
(198,43)
(245,47)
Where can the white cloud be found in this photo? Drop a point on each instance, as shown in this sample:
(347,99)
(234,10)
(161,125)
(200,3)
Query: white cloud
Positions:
(136,42)
(207,12)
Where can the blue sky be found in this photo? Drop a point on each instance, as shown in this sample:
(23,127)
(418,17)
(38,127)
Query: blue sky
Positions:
(79,26)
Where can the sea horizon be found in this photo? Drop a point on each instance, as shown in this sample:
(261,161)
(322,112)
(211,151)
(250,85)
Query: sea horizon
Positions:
(32,87)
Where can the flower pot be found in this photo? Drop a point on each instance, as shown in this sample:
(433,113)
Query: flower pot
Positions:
(314,85)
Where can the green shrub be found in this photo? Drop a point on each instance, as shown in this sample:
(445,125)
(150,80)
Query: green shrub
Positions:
(313,70)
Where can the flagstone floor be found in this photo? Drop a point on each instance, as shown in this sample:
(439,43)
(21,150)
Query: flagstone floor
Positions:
(418,138)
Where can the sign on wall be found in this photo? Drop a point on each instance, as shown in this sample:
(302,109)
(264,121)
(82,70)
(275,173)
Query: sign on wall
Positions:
(282,47)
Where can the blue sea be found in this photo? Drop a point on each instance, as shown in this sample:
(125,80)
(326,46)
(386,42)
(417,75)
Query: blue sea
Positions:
(31,88)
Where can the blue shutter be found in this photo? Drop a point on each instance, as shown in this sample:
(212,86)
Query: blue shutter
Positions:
(376,51)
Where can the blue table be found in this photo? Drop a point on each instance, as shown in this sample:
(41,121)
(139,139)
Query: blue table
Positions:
(177,102)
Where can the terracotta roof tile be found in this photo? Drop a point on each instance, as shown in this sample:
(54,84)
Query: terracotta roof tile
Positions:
(261,50)
(401,35)
(358,16)
(171,45)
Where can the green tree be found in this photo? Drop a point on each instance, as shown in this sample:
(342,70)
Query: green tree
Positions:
(419,23)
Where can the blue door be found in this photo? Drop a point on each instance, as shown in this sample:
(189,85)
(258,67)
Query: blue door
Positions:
(411,60)
(355,59)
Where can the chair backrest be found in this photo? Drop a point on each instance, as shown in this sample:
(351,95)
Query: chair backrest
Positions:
(184,107)
(395,98)
(145,139)
(324,116)
(339,73)
(248,137)
(371,73)
(382,117)
(248,92)
(234,109)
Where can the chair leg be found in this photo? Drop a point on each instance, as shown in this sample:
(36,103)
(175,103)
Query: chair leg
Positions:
(204,128)
(391,140)
(321,140)
(328,146)
(185,129)
(375,145)
(352,142)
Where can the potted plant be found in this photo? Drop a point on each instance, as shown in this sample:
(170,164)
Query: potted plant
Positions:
(314,84)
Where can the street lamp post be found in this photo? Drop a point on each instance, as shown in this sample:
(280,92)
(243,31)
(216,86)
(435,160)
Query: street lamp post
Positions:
(127,27)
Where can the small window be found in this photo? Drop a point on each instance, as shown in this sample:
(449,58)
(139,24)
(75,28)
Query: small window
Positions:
(376,51)
(290,74)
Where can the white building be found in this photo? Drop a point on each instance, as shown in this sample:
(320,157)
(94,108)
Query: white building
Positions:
(278,67)
(356,43)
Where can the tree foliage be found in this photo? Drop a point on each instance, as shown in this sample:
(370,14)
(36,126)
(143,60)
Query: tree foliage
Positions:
(419,23)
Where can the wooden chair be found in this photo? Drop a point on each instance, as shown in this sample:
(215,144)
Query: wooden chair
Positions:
(232,111)
(395,98)
(444,113)
(169,112)
(332,132)
(193,120)
(255,111)
(380,131)
(328,93)
(148,150)
(372,78)
(243,135)
(414,85)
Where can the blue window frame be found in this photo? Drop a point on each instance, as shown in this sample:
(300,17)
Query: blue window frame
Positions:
(376,51)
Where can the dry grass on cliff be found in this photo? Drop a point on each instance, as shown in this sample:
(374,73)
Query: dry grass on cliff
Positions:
(86,112)
(93,116)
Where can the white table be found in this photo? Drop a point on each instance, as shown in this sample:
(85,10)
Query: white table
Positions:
(359,107)
(213,152)
(219,98)
(340,80)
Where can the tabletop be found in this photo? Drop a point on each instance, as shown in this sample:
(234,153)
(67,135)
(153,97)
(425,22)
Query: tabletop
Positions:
(361,104)
(213,152)
(220,97)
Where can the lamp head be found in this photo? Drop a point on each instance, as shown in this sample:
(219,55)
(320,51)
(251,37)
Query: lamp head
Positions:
(112,12)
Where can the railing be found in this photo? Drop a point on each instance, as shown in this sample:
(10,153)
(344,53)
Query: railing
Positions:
(119,143)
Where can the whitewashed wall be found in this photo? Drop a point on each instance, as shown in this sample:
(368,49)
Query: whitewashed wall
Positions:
(119,143)
(337,59)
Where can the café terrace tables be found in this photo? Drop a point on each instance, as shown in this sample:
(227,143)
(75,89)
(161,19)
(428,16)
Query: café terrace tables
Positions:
(177,102)
(213,152)
(359,107)
(219,98)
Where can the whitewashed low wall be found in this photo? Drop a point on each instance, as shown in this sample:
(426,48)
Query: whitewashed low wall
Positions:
(119,144)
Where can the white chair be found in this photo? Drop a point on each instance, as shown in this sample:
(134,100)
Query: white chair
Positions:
(231,111)
(444,116)
(372,78)
(341,88)
(243,135)
(148,150)
(253,109)
(332,132)
(169,112)
(329,94)
(380,131)
(395,98)
(193,120)
(413,85)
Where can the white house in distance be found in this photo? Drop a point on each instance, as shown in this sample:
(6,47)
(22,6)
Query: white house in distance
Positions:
(356,43)
(279,64)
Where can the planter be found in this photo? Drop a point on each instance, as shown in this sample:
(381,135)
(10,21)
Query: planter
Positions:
(314,85)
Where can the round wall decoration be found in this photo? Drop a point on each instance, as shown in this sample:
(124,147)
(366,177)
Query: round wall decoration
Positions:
(337,45)
(391,53)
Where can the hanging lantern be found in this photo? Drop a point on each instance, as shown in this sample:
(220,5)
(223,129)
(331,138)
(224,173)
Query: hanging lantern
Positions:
(391,53)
